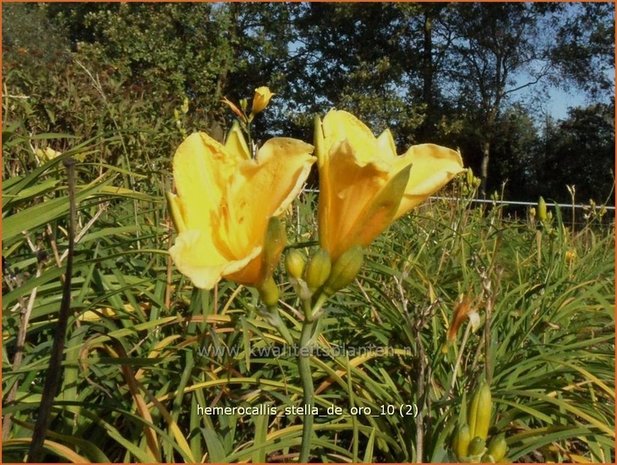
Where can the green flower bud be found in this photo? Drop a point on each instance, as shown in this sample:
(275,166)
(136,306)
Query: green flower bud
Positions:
(487,458)
(344,270)
(185,105)
(480,412)
(469,176)
(461,442)
(497,447)
(244,103)
(318,269)
(276,238)
(295,263)
(269,292)
(476,446)
(541,209)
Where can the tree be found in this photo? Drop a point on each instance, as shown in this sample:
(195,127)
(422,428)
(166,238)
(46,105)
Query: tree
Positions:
(515,153)
(364,58)
(164,51)
(493,42)
(584,51)
(443,72)
(580,151)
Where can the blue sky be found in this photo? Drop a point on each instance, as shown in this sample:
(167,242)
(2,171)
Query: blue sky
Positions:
(559,101)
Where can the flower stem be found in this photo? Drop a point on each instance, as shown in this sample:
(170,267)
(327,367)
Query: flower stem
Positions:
(304,366)
(250,139)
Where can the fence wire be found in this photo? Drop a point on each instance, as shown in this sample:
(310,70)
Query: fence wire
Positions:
(505,202)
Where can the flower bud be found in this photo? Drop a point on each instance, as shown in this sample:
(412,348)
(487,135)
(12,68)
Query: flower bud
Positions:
(480,412)
(461,442)
(261,99)
(275,240)
(497,447)
(476,446)
(469,176)
(244,104)
(541,209)
(269,292)
(318,139)
(295,263)
(173,204)
(185,105)
(318,270)
(344,270)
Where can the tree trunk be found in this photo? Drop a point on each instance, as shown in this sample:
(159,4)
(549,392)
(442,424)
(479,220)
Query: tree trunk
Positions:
(486,152)
(427,77)
(427,71)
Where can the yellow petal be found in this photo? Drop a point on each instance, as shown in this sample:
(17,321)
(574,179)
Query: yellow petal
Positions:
(289,161)
(235,142)
(381,210)
(347,189)
(196,256)
(386,145)
(263,188)
(432,167)
(202,170)
(341,125)
(250,274)
(263,266)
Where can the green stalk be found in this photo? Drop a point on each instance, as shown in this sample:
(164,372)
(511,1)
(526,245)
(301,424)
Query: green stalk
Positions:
(539,246)
(304,366)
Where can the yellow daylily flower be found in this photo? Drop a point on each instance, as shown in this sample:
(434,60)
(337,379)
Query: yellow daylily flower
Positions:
(225,201)
(46,154)
(365,185)
(261,99)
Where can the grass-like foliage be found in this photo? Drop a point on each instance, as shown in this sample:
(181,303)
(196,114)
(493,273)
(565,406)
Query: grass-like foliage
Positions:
(146,353)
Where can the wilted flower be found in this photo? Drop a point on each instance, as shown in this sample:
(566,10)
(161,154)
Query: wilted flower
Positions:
(233,107)
(225,202)
(463,311)
(365,185)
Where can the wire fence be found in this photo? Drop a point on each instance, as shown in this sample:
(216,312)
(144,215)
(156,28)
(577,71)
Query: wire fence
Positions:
(531,204)
(573,214)
(505,202)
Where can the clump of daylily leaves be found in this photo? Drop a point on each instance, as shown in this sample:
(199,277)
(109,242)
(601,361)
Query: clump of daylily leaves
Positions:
(230,197)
